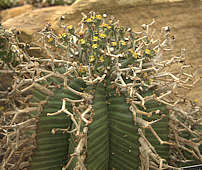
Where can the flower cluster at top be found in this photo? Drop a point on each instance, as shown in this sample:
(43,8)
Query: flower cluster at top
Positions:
(101,43)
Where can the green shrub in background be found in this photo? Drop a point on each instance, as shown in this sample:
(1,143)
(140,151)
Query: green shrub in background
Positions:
(9,51)
(13,3)
(105,86)
(8,3)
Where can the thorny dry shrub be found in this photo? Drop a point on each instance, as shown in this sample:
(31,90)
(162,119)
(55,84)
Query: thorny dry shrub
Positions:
(95,50)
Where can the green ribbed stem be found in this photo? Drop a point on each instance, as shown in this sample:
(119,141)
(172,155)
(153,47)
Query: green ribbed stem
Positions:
(52,149)
(112,141)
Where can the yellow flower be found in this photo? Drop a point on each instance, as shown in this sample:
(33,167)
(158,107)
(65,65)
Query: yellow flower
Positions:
(123,43)
(135,55)
(94,46)
(150,81)
(92,58)
(50,39)
(89,20)
(195,100)
(69,27)
(102,35)
(62,35)
(114,44)
(95,38)
(99,17)
(101,58)
(107,26)
(147,51)
(82,41)
(1,108)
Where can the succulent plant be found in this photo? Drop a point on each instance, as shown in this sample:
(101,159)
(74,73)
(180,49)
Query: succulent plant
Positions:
(105,87)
